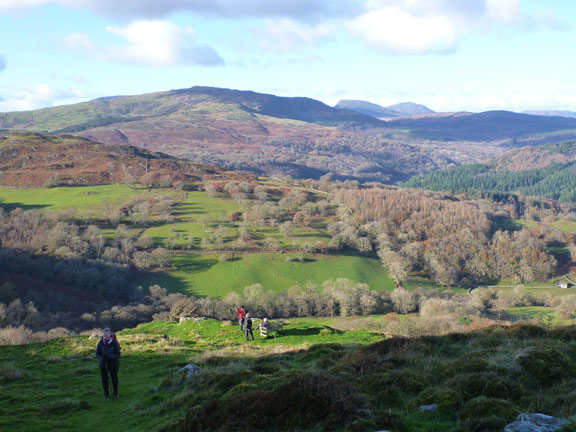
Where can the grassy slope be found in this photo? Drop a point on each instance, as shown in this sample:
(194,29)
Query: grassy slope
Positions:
(480,377)
(206,275)
(63,372)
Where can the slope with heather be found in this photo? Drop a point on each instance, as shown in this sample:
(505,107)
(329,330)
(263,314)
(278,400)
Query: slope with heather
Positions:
(28,159)
(310,376)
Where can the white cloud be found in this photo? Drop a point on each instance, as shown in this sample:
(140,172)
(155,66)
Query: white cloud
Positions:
(396,30)
(287,35)
(149,43)
(16,6)
(297,9)
(504,10)
(40,96)
(436,26)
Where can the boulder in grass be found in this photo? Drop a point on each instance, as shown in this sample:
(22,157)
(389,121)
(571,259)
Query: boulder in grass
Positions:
(190,370)
(535,422)
(431,407)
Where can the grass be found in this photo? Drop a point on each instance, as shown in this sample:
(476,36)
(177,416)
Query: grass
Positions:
(198,205)
(66,396)
(481,376)
(567,226)
(205,275)
(542,314)
(64,198)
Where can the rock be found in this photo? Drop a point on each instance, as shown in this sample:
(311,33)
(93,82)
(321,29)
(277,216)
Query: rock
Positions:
(431,407)
(535,422)
(183,319)
(190,370)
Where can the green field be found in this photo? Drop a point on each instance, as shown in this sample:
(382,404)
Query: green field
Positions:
(546,315)
(198,205)
(205,275)
(564,225)
(64,198)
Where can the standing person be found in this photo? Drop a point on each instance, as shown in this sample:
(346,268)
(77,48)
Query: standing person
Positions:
(108,353)
(248,326)
(263,326)
(241,313)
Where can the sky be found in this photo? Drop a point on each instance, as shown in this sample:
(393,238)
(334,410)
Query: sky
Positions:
(450,55)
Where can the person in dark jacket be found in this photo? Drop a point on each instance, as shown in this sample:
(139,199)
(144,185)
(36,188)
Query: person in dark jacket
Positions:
(248,326)
(108,353)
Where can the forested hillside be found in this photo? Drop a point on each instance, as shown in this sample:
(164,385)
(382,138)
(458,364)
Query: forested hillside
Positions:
(548,171)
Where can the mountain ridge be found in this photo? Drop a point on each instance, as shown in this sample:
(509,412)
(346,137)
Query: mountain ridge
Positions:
(301,137)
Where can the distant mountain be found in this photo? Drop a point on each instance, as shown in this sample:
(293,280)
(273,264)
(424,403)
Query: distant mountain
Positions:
(409,108)
(301,137)
(378,111)
(30,159)
(513,128)
(551,113)
(194,101)
(244,130)
(548,171)
(367,108)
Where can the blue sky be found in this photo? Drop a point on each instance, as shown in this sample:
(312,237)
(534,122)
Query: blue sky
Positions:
(451,55)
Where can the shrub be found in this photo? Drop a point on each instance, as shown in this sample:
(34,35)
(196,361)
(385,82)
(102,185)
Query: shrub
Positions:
(307,401)
(487,414)
(547,365)
(446,398)
(9,372)
(462,365)
(473,385)
(64,405)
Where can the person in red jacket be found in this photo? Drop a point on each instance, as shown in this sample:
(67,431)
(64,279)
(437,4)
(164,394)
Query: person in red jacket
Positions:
(108,353)
(241,312)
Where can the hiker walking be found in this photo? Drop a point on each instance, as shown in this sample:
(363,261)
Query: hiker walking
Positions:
(241,313)
(263,326)
(108,353)
(248,326)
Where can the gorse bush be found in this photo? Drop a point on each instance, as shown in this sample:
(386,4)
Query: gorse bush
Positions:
(10,372)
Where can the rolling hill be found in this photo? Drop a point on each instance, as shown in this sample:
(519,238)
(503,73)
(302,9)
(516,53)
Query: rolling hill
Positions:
(503,127)
(245,130)
(31,159)
(301,137)
(130,109)
(558,113)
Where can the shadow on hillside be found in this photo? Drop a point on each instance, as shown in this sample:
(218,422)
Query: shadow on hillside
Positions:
(181,209)
(196,265)
(13,205)
(308,331)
